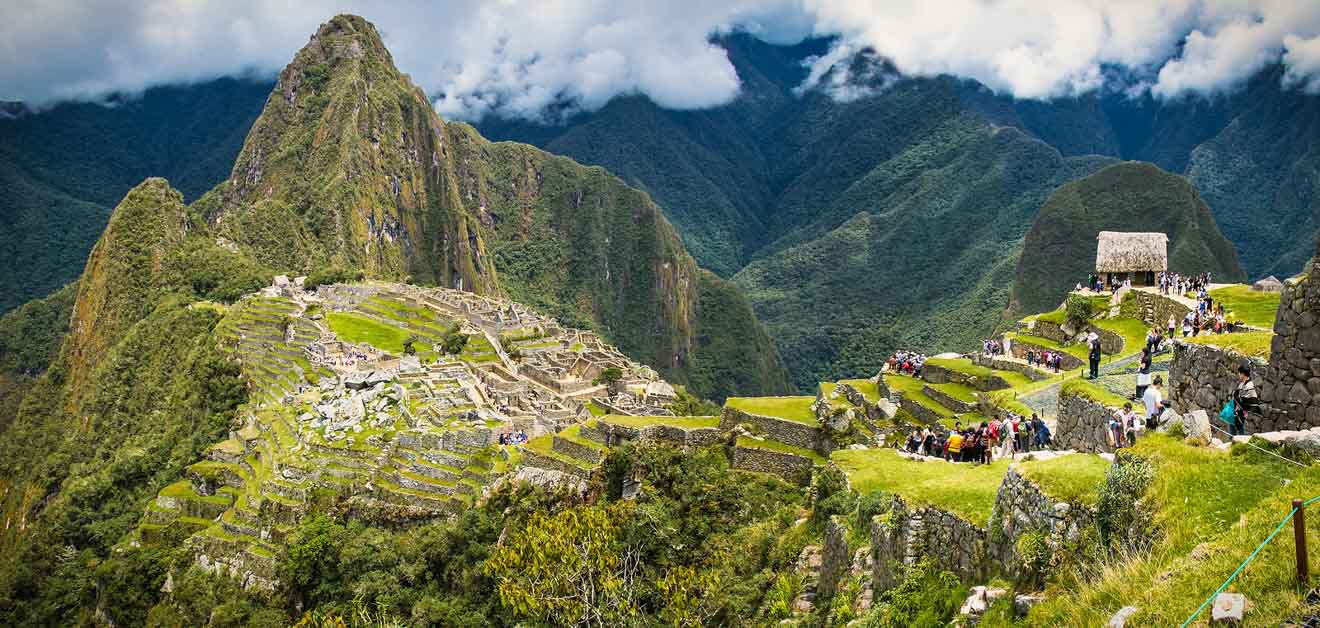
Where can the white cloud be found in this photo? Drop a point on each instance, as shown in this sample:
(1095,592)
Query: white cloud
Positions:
(518,57)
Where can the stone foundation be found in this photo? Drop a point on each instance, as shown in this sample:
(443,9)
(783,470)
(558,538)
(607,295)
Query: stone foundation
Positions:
(1156,309)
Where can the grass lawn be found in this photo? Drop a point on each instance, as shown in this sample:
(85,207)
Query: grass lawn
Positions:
(1132,330)
(961,365)
(360,329)
(544,445)
(789,408)
(1083,388)
(1225,504)
(1074,478)
(1252,344)
(1253,308)
(573,433)
(963,489)
(783,448)
(682,422)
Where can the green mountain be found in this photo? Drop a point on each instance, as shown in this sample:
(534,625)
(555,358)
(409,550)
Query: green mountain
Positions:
(1060,248)
(64,168)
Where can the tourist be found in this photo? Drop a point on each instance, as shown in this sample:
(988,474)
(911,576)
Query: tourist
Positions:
(1245,400)
(1042,431)
(1116,429)
(1173,325)
(1094,341)
(1057,362)
(1023,431)
(984,444)
(1153,398)
(1009,441)
(1131,426)
(1143,373)
(953,447)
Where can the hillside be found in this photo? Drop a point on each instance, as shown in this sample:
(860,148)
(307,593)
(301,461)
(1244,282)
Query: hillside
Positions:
(64,168)
(1060,248)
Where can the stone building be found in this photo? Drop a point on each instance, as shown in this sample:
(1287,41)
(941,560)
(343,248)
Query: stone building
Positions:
(1137,256)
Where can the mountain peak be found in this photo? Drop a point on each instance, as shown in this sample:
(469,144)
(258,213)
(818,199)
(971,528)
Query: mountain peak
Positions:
(345,37)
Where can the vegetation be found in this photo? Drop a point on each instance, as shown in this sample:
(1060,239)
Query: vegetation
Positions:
(789,408)
(1241,303)
(783,448)
(1079,387)
(1250,344)
(684,422)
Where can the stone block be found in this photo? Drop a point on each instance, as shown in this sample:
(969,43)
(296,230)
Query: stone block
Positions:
(1299,395)
(1121,617)
(1228,609)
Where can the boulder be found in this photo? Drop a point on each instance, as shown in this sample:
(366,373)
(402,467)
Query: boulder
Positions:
(887,408)
(1196,424)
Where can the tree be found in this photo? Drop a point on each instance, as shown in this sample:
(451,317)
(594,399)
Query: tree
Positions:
(569,568)
(609,376)
(408,343)
(454,341)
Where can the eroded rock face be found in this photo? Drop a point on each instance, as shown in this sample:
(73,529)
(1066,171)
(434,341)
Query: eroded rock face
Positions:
(1022,508)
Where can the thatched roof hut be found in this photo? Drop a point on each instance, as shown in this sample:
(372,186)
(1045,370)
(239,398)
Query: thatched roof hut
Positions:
(1131,252)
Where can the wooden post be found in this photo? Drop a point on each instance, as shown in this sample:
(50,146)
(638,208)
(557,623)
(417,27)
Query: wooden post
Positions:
(1299,541)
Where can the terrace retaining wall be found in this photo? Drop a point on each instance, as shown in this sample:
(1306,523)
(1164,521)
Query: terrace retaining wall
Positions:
(994,362)
(937,374)
(1156,309)
(1083,425)
(905,535)
(1021,508)
(783,430)
(949,401)
(1067,362)
(612,434)
(793,468)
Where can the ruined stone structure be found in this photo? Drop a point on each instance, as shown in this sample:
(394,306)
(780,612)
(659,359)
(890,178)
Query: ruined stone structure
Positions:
(906,535)
(1082,424)
(1023,508)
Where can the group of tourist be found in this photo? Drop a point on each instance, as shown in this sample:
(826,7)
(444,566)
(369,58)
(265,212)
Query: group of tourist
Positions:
(1175,283)
(980,444)
(1045,359)
(906,363)
(993,347)
(1096,283)
(1207,319)
(1124,426)
(513,438)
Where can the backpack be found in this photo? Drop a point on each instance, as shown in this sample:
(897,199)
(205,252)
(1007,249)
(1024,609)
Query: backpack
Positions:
(1229,413)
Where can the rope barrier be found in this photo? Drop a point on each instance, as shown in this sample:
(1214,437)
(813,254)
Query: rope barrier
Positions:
(1238,571)
(1258,448)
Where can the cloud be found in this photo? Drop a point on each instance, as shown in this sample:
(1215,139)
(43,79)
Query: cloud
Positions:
(523,58)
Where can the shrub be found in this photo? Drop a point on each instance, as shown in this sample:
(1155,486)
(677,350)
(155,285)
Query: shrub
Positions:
(1120,516)
(1080,310)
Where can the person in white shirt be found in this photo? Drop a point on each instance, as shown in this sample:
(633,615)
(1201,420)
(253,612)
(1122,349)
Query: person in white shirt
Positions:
(1153,398)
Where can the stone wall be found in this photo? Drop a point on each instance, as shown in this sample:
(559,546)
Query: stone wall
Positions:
(835,560)
(1202,377)
(613,434)
(782,430)
(1068,362)
(1110,342)
(920,412)
(948,401)
(998,363)
(792,468)
(1022,508)
(577,450)
(1082,425)
(1290,392)
(936,374)
(906,535)
(1156,309)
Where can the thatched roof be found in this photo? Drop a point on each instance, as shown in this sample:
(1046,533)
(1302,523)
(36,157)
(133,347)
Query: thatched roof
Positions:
(1128,252)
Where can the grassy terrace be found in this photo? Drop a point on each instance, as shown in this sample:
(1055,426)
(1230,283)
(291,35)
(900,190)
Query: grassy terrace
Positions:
(682,422)
(864,386)
(910,388)
(1075,478)
(964,489)
(1251,344)
(1083,388)
(961,392)
(1256,309)
(360,329)
(965,365)
(1224,503)
(773,445)
(573,433)
(788,408)
(544,444)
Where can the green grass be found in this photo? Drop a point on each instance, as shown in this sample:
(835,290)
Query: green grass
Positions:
(796,409)
(1256,309)
(1252,344)
(961,365)
(774,445)
(573,433)
(964,489)
(1132,330)
(1226,504)
(1082,388)
(961,392)
(544,445)
(682,422)
(1076,350)
(1074,478)
(356,328)
(596,410)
